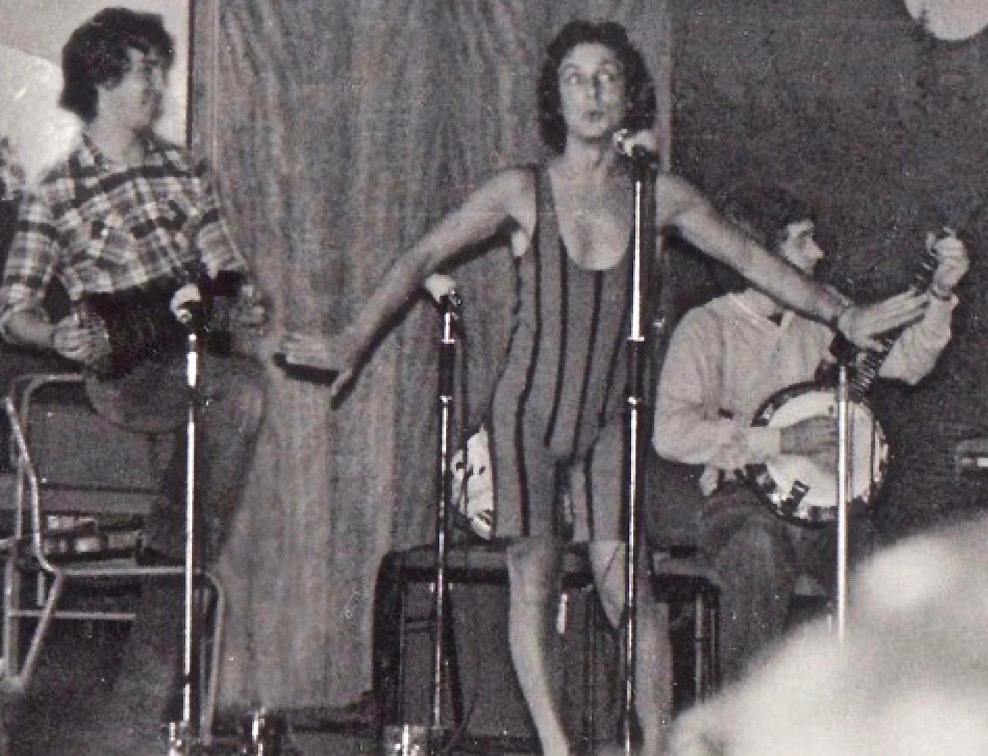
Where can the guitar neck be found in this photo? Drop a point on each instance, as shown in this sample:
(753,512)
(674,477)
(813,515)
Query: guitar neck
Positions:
(869,366)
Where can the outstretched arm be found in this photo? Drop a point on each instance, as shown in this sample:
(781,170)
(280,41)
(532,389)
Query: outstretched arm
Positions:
(480,216)
(684,208)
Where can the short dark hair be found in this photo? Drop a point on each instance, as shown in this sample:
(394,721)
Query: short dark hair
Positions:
(640,91)
(765,211)
(96,53)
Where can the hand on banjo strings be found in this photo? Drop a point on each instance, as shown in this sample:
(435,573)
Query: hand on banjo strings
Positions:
(863,324)
(810,437)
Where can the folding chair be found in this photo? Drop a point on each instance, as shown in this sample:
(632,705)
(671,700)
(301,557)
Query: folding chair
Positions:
(73,473)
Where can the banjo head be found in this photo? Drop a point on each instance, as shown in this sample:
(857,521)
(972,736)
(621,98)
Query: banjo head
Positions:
(804,489)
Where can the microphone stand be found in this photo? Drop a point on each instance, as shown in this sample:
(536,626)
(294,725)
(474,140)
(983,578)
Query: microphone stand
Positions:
(185,736)
(447,352)
(645,171)
(843,493)
(845,354)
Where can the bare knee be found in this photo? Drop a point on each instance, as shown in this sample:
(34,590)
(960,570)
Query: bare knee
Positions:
(533,568)
(607,560)
(608,563)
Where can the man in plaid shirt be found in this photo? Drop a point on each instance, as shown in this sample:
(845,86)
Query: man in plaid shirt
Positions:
(128,214)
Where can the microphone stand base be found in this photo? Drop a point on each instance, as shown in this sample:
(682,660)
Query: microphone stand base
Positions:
(260,734)
(415,740)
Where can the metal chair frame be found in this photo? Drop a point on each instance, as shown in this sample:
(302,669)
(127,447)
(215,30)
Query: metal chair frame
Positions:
(24,551)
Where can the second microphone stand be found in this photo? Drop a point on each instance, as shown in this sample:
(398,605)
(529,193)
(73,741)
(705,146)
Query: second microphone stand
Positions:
(844,492)
(645,172)
(447,353)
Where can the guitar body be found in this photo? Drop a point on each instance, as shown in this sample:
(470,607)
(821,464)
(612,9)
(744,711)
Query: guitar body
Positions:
(153,397)
(803,490)
(142,385)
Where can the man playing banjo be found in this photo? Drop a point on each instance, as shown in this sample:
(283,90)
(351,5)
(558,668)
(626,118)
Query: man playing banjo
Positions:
(727,361)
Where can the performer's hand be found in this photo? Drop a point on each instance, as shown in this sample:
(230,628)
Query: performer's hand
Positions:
(337,355)
(810,437)
(439,285)
(862,324)
(82,342)
(645,139)
(954,262)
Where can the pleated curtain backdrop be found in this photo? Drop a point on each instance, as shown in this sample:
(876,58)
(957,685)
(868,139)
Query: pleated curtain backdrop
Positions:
(340,131)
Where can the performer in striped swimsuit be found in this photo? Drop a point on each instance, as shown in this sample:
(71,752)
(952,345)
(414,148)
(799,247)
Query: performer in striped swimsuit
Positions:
(558,402)
(555,417)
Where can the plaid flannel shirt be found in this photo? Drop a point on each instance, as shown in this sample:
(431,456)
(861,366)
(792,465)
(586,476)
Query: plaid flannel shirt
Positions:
(98,226)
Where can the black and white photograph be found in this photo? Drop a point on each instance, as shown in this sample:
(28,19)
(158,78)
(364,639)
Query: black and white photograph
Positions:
(434,377)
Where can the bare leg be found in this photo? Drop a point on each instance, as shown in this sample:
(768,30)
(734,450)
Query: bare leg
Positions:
(653,655)
(533,571)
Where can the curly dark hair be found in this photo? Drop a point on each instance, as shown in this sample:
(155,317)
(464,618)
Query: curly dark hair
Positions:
(764,211)
(96,53)
(640,86)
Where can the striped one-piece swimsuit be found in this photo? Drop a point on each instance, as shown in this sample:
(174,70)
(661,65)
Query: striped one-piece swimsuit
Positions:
(556,415)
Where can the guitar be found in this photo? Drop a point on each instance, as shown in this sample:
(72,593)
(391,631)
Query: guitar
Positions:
(803,490)
(141,383)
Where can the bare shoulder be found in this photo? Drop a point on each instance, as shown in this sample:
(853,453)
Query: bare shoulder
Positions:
(675,197)
(516,184)
(514,190)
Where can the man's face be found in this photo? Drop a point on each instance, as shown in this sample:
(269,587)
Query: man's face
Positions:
(136,99)
(592,91)
(799,247)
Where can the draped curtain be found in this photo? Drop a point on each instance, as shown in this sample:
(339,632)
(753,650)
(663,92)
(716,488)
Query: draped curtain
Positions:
(340,131)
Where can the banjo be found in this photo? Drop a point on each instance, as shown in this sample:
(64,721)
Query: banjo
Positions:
(802,489)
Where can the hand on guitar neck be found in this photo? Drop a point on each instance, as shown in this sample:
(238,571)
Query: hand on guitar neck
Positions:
(943,265)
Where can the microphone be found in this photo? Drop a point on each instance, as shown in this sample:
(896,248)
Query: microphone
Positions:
(188,307)
(454,300)
(626,145)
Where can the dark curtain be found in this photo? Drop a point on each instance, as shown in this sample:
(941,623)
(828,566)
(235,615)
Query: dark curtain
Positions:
(340,131)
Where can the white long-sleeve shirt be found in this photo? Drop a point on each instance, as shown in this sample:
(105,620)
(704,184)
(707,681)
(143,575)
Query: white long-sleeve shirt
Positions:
(727,357)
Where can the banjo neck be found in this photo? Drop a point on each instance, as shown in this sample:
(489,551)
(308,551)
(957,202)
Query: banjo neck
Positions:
(867,367)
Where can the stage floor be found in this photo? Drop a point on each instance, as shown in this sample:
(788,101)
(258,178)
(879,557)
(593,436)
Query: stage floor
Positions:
(72,681)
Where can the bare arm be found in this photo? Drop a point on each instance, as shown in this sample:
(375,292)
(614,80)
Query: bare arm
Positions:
(684,208)
(82,343)
(30,328)
(502,198)
(476,219)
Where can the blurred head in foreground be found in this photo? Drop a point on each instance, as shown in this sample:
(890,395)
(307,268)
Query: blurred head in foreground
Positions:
(911,677)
